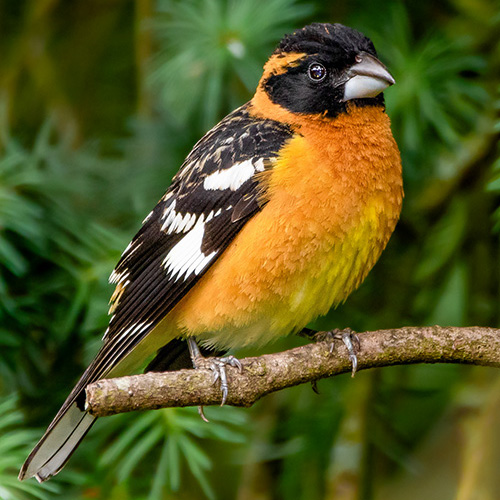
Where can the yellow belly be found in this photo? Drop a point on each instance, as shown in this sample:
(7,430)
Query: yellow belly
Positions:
(330,214)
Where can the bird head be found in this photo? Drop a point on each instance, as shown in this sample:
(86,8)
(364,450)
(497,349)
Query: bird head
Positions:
(320,68)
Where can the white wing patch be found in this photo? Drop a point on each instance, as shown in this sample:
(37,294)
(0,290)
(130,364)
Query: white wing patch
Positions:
(175,222)
(186,257)
(178,223)
(233,177)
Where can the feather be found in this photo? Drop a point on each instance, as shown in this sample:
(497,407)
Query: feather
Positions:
(179,240)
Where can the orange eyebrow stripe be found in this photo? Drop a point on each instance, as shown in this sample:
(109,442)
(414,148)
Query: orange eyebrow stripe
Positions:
(279,63)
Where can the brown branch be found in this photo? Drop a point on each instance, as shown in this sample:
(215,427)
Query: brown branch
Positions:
(273,372)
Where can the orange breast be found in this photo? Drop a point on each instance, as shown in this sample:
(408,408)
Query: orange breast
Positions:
(334,198)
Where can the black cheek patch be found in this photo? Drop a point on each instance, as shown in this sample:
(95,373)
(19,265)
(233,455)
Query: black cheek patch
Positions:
(299,94)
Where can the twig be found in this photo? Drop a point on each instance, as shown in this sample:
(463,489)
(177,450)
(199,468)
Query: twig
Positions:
(273,372)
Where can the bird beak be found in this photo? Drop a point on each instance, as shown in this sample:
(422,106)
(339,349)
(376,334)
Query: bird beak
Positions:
(366,78)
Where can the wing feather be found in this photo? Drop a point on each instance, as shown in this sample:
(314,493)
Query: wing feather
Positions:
(216,191)
(229,156)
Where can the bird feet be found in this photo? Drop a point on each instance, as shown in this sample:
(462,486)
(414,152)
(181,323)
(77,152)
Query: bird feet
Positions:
(350,340)
(347,336)
(217,366)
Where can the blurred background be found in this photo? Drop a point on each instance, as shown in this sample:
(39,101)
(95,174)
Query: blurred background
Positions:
(100,101)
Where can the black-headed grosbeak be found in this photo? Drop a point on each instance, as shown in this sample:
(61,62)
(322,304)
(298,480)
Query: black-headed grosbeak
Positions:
(278,213)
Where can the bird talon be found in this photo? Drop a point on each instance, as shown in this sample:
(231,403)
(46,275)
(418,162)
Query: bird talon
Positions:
(354,363)
(201,413)
(235,362)
(215,371)
(350,340)
(314,386)
(224,390)
(218,367)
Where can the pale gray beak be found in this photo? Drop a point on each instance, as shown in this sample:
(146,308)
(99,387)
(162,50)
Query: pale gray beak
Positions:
(366,78)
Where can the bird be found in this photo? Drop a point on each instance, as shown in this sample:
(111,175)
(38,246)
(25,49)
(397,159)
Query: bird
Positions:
(276,215)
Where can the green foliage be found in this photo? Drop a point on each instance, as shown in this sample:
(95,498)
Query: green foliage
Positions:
(171,440)
(52,257)
(15,443)
(80,168)
(432,102)
(212,52)
(494,184)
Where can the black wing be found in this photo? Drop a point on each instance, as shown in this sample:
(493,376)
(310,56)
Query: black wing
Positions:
(215,192)
(210,199)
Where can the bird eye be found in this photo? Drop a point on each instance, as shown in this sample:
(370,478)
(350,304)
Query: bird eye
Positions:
(316,72)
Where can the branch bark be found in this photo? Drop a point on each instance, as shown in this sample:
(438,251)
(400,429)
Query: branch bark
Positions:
(273,372)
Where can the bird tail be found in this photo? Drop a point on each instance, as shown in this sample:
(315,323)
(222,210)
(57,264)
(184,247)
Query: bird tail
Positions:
(58,443)
(72,422)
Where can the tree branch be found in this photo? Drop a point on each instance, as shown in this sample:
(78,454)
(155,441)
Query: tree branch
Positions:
(273,372)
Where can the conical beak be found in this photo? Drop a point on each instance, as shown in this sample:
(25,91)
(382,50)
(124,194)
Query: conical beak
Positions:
(366,78)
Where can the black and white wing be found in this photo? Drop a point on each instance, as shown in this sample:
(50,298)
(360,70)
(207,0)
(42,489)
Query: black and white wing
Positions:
(210,199)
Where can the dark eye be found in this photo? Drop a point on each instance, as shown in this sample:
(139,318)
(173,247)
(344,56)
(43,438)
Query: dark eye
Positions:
(316,72)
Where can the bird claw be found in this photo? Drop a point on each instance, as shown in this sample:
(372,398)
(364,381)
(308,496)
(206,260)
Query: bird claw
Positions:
(218,367)
(314,386)
(201,413)
(350,340)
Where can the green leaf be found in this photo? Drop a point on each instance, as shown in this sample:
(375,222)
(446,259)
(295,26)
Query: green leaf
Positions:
(159,477)
(135,455)
(451,304)
(131,434)
(443,240)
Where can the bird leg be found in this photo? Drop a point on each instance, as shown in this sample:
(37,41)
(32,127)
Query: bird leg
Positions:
(347,336)
(218,367)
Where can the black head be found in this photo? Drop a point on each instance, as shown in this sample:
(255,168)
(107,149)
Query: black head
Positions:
(319,68)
